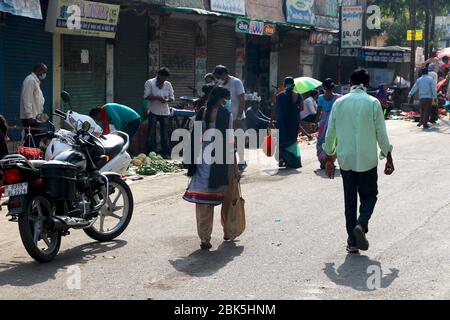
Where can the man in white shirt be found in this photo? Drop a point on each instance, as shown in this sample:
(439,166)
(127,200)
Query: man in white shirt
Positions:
(159,93)
(309,113)
(237,104)
(32,99)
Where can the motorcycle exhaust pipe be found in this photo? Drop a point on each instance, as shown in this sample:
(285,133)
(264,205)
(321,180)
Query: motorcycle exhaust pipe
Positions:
(53,224)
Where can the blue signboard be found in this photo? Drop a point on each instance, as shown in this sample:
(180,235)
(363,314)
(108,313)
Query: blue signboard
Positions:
(25,8)
(300,11)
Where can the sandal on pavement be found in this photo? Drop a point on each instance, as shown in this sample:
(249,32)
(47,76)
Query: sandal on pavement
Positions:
(205,245)
(361,240)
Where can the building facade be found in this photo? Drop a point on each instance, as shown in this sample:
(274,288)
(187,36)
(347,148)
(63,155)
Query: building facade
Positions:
(123,43)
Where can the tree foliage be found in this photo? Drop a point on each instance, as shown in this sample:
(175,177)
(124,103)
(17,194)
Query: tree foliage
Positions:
(396,18)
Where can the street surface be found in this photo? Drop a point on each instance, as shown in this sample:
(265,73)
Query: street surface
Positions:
(293,248)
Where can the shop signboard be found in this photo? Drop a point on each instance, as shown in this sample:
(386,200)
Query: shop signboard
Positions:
(229,6)
(300,11)
(382,56)
(416,35)
(318,13)
(324,38)
(254,27)
(86,18)
(24,8)
(242,25)
(269,29)
(351,36)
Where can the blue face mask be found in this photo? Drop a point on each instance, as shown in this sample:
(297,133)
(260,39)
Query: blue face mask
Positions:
(228,105)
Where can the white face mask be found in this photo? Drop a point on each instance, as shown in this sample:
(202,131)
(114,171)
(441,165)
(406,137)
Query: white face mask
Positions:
(43,76)
(220,82)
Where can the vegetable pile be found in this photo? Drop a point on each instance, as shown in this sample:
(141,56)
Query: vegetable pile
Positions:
(153,164)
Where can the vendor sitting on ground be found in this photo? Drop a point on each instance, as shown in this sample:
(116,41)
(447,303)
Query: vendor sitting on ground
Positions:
(121,117)
(255,119)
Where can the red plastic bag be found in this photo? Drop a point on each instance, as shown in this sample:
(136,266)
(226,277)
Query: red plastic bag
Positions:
(269,144)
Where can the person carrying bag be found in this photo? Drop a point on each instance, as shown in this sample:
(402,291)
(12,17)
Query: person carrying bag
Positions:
(233,208)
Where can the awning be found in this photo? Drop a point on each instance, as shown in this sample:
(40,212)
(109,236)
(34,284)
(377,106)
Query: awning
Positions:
(231,16)
(24,8)
(201,12)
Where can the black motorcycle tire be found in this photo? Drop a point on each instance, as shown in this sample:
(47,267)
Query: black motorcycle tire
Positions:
(26,233)
(101,237)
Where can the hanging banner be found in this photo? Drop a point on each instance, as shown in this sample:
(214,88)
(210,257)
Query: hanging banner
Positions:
(324,38)
(24,8)
(86,18)
(229,6)
(351,36)
(254,27)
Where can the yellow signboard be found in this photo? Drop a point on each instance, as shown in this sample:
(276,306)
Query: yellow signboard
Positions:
(418,35)
(85,18)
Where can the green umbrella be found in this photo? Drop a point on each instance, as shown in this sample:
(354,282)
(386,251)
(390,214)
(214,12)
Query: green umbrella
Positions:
(305,84)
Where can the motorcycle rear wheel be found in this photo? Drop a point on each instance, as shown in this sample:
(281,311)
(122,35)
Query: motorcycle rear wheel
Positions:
(118,189)
(32,231)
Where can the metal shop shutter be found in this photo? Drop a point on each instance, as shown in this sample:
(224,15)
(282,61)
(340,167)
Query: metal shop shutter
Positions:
(84,80)
(221,47)
(289,57)
(178,53)
(131,59)
(25,44)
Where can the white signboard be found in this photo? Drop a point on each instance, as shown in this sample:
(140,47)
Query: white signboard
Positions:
(229,6)
(352,18)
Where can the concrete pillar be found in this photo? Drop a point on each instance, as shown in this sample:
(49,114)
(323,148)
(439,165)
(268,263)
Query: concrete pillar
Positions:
(274,60)
(57,76)
(201,54)
(241,56)
(154,45)
(109,72)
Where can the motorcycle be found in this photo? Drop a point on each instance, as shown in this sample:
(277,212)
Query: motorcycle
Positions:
(116,144)
(48,198)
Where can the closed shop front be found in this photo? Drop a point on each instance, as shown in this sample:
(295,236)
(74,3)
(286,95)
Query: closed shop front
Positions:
(258,65)
(24,43)
(221,47)
(84,71)
(131,59)
(289,56)
(178,53)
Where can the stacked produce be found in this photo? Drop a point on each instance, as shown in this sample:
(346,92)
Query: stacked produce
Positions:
(153,164)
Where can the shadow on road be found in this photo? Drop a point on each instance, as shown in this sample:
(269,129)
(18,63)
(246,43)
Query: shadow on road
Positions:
(360,273)
(205,263)
(25,274)
(322,173)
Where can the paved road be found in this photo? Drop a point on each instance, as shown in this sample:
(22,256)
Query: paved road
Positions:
(302,256)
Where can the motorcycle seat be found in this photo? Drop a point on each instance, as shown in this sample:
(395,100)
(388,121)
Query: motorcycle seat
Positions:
(38,163)
(113,145)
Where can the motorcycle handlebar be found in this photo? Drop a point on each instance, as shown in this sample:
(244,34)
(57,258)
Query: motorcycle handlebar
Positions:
(49,135)
(59,113)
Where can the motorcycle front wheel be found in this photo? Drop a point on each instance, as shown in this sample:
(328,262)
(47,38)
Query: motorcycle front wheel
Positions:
(116,214)
(40,244)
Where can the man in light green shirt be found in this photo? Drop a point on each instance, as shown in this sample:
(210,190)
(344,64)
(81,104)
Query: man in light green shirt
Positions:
(355,128)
